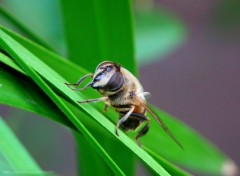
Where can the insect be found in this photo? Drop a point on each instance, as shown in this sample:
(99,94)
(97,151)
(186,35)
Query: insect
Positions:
(122,90)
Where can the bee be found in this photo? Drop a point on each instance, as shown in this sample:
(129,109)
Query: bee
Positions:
(122,90)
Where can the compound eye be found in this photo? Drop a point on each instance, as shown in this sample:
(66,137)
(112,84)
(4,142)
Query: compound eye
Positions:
(115,83)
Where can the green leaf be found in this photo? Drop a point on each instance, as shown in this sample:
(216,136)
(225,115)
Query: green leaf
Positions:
(199,154)
(107,30)
(21,92)
(22,28)
(14,157)
(86,156)
(26,59)
(173,170)
(157,34)
(156,138)
(29,97)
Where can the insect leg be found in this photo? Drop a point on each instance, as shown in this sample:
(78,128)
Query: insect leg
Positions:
(93,100)
(143,131)
(84,88)
(79,81)
(105,108)
(124,118)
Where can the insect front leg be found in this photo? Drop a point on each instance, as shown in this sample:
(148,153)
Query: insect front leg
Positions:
(79,82)
(123,119)
(93,100)
(84,88)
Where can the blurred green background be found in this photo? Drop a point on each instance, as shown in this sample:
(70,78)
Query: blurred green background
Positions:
(193,46)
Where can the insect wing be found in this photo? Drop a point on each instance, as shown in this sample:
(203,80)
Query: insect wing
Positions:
(145,95)
(159,121)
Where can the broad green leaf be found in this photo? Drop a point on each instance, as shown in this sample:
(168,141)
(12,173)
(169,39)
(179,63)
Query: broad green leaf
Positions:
(14,158)
(107,30)
(106,35)
(27,60)
(157,34)
(155,131)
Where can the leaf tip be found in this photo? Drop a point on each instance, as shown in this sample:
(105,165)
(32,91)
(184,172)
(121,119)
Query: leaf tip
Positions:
(230,168)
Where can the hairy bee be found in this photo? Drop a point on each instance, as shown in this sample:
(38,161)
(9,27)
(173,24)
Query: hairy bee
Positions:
(122,90)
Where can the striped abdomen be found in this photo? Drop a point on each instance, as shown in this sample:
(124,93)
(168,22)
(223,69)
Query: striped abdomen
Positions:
(123,103)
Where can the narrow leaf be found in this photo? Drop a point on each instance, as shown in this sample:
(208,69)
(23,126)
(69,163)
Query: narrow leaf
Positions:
(21,92)
(14,157)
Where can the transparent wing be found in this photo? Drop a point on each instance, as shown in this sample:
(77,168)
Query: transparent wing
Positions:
(159,121)
(146,95)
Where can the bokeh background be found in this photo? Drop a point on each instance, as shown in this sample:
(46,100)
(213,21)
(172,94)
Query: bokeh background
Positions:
(192,69)
(199,82)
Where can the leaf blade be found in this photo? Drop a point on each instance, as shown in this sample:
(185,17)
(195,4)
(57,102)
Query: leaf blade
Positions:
(101,35)
(17,159)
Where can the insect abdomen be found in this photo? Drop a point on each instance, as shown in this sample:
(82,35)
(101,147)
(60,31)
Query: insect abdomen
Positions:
(122,108)
(134,121)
